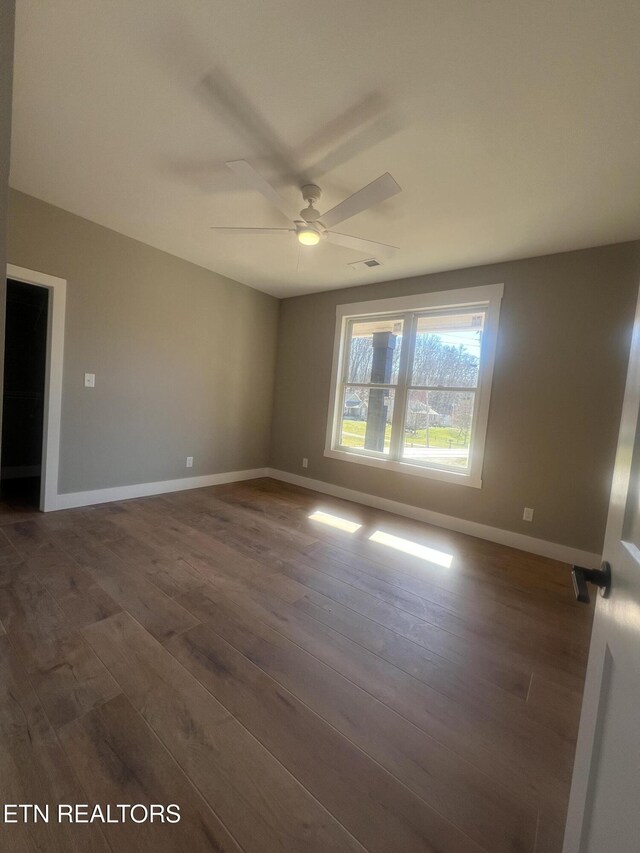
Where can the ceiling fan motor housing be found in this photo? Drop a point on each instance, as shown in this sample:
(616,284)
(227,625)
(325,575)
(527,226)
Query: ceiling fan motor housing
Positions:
(310,193)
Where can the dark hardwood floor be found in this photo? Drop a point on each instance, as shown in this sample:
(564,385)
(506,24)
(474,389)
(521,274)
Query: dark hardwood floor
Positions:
(291,685)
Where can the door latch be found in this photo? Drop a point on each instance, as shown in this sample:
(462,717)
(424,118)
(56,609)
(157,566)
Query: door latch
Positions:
(599,577)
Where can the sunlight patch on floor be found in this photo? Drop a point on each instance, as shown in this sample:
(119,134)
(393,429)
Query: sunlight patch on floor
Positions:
(335,521)
(440,558)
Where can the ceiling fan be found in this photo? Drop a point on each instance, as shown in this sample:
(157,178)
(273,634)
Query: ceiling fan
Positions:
(310,226)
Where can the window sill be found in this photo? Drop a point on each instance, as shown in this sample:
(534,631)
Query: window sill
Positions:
(406,468)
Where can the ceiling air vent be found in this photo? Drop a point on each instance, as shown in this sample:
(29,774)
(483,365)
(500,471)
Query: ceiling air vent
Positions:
(362,265)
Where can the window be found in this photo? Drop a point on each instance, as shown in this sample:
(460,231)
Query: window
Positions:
(411,382)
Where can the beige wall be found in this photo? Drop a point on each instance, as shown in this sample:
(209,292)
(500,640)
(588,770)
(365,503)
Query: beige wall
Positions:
(183,357)
(555,407)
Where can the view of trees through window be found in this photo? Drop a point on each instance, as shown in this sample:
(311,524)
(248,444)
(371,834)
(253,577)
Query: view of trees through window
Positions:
(435,382)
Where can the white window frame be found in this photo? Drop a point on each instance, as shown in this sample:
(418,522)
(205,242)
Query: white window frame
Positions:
(485,297)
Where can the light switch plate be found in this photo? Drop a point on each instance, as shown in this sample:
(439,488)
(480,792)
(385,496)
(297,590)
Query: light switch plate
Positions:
(89,380)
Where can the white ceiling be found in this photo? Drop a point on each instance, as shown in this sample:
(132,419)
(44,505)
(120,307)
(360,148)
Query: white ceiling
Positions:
(511,125)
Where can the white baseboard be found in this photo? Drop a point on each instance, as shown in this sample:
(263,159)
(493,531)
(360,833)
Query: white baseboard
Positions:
(141,490)
(553,550)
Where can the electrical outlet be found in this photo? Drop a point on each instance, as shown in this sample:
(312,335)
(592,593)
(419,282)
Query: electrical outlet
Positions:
(89,380)
(305,462)
(527,515)
(189,461)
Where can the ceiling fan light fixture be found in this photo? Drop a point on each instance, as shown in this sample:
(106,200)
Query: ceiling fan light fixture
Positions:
(308,236)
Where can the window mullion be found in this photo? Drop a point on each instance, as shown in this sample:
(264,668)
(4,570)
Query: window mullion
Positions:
(406,360)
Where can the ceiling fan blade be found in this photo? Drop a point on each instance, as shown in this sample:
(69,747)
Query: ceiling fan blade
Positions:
(251,230)
(248,174)
(345,125)
(368,246)
(375,192)
(227,99)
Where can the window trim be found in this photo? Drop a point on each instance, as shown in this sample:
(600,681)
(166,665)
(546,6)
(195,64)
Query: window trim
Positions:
(488,297)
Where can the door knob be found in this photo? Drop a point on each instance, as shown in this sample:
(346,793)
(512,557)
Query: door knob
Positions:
(600,577)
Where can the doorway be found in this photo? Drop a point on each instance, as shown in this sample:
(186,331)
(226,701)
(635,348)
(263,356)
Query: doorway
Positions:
(23,398)
(42,465)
